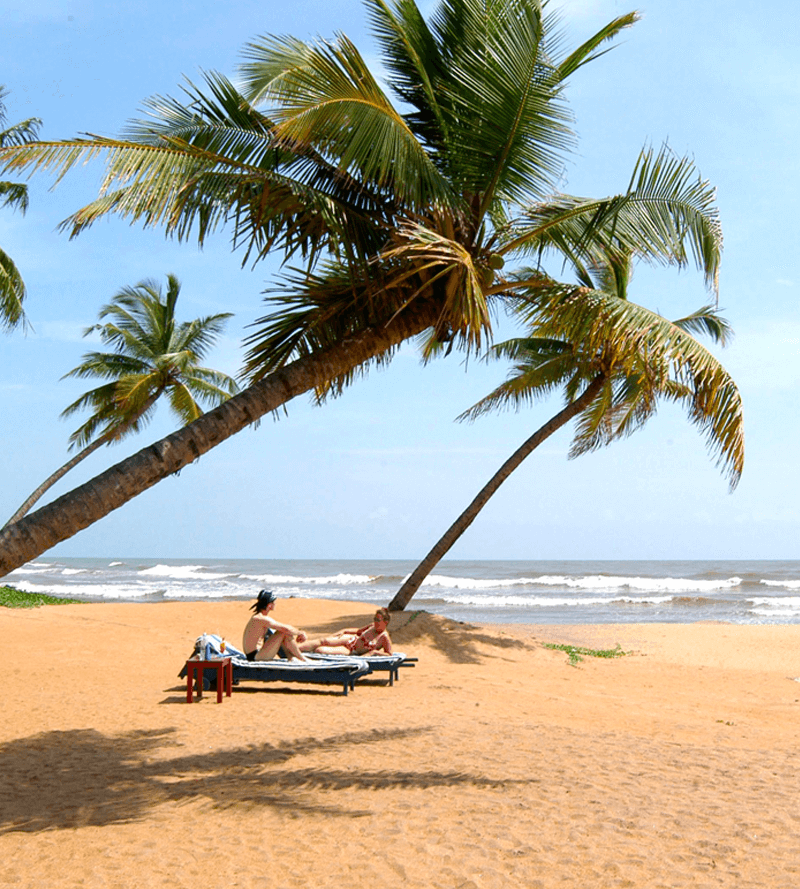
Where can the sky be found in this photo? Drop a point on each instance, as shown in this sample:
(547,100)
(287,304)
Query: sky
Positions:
(382,471)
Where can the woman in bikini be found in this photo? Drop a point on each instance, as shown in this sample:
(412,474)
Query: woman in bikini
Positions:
(371,639)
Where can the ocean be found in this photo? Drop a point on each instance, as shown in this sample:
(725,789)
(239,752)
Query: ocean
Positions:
(537,592)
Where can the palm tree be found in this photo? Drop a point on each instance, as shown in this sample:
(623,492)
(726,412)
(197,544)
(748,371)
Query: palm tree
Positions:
(403,219)
(153,355)
(614,360)
(13,194)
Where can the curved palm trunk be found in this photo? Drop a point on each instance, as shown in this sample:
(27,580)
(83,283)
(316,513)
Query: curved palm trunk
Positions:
(76,510)
(78,458)
(415,579)
(51,480)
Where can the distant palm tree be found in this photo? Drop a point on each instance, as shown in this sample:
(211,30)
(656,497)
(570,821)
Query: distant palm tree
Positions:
(13,194)
(153,355)
(614,360)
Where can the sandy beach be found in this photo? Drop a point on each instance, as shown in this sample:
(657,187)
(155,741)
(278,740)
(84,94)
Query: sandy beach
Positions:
(493,761)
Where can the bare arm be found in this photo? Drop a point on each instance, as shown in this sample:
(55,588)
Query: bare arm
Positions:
(287,629)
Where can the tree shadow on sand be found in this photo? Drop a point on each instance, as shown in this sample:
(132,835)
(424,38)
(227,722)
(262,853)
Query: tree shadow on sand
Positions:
(461,643)
(68,779)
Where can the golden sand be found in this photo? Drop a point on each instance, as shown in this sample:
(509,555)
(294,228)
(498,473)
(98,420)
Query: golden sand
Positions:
(491,763)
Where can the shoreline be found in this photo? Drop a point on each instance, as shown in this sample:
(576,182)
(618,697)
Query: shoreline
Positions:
(492,759)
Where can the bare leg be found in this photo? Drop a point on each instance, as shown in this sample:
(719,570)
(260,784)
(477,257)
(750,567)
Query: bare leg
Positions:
(292,650)
(270,647)
(333,649)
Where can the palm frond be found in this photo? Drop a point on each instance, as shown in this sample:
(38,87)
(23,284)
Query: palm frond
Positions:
(644,356)
(12,293)
(667,215)
(317,91)
(14,194)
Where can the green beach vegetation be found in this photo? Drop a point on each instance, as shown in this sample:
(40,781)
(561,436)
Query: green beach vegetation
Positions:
(13,194)
(416,213)
(576,653)
(153,355)
(13,598)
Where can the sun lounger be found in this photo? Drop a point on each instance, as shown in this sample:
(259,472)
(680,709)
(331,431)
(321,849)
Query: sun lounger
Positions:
(390,663)
(322,669)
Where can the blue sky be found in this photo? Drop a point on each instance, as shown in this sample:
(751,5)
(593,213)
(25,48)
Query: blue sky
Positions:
(383,470)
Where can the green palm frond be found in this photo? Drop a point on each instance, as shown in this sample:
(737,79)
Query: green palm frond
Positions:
(412,53)
(706,321)
(18,133)
(215,161)
(12,292)
(317,91)
(183,404)
(643,358)
(314,311)
(14,195)
(431,258)
(667,215)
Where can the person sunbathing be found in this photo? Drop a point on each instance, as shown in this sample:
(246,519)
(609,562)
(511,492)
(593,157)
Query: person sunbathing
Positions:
(372,639)
(270,633)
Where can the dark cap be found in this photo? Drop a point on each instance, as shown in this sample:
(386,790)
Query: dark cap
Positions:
(265,597)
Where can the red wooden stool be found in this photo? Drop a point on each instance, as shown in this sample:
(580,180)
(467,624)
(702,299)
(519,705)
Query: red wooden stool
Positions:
(194,676)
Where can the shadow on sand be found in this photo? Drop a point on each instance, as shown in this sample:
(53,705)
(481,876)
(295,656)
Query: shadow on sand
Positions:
(68,779)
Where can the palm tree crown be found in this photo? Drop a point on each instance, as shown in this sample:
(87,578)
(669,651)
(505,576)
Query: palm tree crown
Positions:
(594,332)
(13,194)
(153,355)
(614,360)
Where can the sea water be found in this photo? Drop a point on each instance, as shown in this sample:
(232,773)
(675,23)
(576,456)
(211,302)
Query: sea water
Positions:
(564,592)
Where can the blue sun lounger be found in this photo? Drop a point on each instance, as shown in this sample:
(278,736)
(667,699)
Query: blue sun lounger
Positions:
(322,669)
(390,663)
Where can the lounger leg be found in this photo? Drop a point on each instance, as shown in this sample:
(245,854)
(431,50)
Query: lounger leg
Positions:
(189,684)
(220,681)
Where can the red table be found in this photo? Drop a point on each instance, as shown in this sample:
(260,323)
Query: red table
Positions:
(194,676)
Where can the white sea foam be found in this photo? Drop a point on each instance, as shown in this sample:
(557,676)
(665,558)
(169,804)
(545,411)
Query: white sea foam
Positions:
(769,606)
(34,568)
(339,579)
(501,601)
(783,584)
(596,582)
(97,591)
(182,572)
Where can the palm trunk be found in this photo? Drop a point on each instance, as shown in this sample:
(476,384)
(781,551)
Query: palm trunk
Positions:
(415,579)
(51,480)
(78,458)
(76,510)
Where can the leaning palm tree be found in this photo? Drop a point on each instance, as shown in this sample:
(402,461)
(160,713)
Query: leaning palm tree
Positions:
(13,194)
(614,361)
(153,355)
(403,218)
